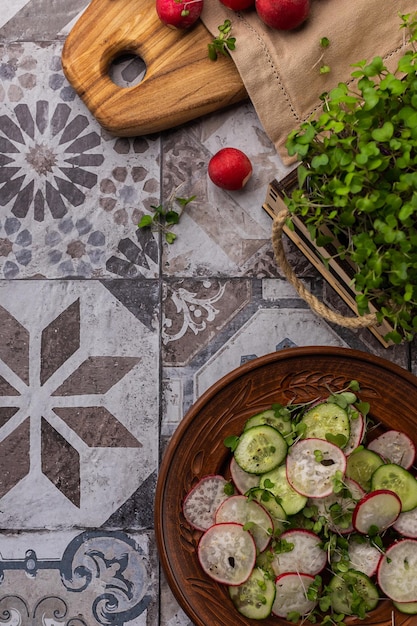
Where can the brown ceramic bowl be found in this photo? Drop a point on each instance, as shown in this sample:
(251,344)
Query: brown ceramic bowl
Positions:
(197,449)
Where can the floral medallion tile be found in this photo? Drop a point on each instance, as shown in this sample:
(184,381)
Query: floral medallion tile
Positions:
(70,194)
(78,403)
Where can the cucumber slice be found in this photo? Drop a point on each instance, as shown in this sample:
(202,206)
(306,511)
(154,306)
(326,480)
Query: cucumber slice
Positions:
(227,553)
(306,554)
(260,449)
(266,498)
(202,501)
(254,599)
(276,481)
(400,481)
(291,595)
(243,511)
(312,465)
(243,481)
(395,447)
(346,588)
(361,464)
(326,418)
(397,571)
(376,510)
(409,608)
(270,417)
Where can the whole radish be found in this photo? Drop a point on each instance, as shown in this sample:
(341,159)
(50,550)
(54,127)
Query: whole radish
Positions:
(179,13)
(230,169)
(283,14)
(238,5)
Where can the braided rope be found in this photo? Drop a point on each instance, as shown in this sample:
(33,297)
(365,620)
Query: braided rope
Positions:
(363,321)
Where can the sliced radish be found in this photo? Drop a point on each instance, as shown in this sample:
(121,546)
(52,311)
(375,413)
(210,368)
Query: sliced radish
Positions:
(291,594)
(312,465)
(357,431)
(203,500)
(338,507)
(242,480)
(241,510)
(395,447)
(378,509)
(397,571)
(227,553)
(306,556)
(363,556)
(406,524)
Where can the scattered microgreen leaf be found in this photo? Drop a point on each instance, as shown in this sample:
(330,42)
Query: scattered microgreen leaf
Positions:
(165,217)
(223,43)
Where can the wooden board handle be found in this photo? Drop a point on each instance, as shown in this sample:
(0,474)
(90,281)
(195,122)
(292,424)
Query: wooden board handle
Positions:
(180,84)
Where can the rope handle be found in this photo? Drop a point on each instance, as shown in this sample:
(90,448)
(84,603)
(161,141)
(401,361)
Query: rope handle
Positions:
(362,321)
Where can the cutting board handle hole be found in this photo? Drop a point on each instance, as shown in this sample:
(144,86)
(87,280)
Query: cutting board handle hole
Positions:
(127,70)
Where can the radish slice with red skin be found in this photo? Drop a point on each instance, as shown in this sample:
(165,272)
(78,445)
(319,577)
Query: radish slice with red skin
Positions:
(291,594)
(357,431)
(340,520)
(241,510)
(406,524)
(395,447)
(397,571)
(227,553)
(243,481)
(312,465)
(363,556)
(203,500)
(378,509)
(306,556)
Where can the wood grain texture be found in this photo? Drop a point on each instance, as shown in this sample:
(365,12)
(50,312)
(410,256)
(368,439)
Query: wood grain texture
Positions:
(180,84)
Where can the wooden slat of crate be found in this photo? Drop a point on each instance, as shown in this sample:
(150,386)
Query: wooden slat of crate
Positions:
(337,273)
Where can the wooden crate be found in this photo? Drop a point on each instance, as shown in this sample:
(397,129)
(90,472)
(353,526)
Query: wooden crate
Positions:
(337,272)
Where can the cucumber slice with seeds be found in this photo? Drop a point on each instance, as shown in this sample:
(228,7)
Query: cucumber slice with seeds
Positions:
(361,464)
(270,417)
(260,449)
(254,599)
(400,481)
(324,419)
(276,481)
(346,588)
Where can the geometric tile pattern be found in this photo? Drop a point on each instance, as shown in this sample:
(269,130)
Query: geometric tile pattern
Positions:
(108,334)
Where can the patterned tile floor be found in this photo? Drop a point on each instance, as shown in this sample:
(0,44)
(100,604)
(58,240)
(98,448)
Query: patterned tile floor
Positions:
(108,334)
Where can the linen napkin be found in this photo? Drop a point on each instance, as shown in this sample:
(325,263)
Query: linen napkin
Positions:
(281,69)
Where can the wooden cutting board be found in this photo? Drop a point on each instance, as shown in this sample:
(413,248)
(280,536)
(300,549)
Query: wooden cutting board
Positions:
(180,84)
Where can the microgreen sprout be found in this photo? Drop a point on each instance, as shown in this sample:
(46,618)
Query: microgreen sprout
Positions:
(223,42)
(166,216)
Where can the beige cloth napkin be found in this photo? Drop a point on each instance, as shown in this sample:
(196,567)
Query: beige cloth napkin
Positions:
(281,69)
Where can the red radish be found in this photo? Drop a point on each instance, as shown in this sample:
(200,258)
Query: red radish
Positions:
(283,14)
(406,524)
(179,13)
(357,431)
(230,169)
(312,465)
(238,5)
(227,553)
(378,509)
(395,447)
(241,510)
(203,500)
(338,508)
(242,480)
(307,554)
(397,571)
(363,556)
(291,594)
